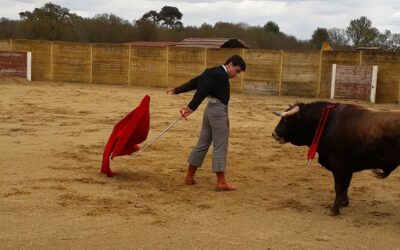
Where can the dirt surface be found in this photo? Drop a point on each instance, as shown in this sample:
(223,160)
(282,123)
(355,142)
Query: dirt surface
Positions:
(52,195)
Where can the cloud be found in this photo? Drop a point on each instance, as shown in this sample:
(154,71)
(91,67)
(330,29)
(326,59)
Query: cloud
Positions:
(294,17)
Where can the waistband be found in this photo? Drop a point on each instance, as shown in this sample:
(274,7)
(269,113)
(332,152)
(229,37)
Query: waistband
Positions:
(213,100)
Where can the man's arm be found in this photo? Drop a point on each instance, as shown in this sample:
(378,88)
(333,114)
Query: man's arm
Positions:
(186,87)
(197,99)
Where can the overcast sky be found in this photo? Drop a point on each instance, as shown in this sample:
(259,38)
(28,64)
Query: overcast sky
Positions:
(298,18)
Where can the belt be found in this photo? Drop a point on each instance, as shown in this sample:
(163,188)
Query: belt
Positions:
(213,100)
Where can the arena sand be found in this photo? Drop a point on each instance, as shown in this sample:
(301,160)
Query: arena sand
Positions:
(52,195)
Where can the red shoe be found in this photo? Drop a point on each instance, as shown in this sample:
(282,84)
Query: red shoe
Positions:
(189,179)
(221,183)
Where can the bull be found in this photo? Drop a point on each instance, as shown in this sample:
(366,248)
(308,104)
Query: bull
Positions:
(353,139)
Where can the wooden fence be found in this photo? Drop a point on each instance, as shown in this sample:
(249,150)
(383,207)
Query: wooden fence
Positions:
(273,72)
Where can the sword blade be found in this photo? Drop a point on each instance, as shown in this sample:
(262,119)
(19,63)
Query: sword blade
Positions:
(155,139)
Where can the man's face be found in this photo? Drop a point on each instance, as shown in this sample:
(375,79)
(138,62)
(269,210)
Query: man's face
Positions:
(233,71)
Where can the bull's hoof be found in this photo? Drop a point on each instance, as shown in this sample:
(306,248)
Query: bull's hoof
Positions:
(334,212)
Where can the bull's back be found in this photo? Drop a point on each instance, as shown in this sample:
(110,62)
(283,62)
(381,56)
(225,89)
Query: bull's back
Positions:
(371,138)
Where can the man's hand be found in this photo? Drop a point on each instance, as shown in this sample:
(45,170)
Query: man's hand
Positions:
(171,91)
(186,111)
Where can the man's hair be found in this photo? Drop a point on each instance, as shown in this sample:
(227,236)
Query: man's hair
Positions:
(236,60)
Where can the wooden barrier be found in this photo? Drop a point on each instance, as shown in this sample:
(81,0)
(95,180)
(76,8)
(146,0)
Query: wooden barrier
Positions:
(334,57)
(184,64)
(148,66)
(110,63)
(354,82)
(388,75)
(263,73)
(5,45)
(70,62)
(15,64)
(41,57)
(301,73)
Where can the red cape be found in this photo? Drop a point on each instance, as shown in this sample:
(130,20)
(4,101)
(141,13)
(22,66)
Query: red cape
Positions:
(127,134)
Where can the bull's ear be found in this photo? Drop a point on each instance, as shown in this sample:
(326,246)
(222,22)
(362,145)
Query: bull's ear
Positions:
(277,113)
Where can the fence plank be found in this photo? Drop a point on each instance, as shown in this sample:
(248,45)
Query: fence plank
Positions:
(110,63)
(71,62)
(41,57)
(184,64)
(388,74)
(148,67)
(263,73)
(300,73)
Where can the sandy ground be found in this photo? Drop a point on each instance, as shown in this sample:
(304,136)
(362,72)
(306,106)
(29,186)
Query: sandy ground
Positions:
(52,195)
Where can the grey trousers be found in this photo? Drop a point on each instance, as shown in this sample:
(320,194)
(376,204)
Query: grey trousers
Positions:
(215,129)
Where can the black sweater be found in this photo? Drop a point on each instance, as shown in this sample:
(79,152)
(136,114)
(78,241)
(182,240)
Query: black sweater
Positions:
(212,82)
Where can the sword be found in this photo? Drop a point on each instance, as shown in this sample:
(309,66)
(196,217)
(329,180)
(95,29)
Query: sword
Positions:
(165,130)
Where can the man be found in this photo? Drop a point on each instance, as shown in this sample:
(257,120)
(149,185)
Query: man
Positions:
(214,84)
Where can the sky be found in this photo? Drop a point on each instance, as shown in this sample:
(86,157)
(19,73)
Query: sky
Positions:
(298,18)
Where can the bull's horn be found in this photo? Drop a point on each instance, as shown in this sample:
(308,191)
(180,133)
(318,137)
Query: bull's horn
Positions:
(277,113)
(291,112)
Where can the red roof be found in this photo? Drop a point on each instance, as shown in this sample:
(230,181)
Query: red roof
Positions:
(213,43)
(152,44)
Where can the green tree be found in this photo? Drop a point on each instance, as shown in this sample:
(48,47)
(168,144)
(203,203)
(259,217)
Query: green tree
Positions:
(170,16)
(145,30)
(319,36)
(51,22)
(271,27)
(152,16)
(361,32)
(7,28)
(110,28)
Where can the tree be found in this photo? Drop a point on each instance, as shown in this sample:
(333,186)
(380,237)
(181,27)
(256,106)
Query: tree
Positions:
(51,22)
(395,43)
(383,40)
(170,17)
(319,36)
(7,28)
(110,28)
(152,16)
(338,36)
(145,30)
(271,27)
(361,32)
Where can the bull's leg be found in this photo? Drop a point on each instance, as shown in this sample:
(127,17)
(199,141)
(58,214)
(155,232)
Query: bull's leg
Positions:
(345,201)
(342,182)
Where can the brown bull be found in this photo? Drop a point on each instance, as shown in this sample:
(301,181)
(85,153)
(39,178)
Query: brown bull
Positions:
(353,139)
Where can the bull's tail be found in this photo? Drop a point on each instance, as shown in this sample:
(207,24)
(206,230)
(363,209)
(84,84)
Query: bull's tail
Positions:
(380,174)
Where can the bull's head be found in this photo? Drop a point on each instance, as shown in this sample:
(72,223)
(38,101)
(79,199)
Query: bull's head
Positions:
(290,128)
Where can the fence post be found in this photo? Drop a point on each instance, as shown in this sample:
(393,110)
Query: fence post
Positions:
(129,64)
(280,75)
(29,66)
(333,81)
(167,68)
(91,64)
(398,94)
(51,61)
(205,58)
(320,73)
(242,76)
(11,45)
(361,57)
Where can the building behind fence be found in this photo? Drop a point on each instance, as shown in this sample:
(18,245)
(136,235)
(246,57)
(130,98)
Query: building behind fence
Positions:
(274,72)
